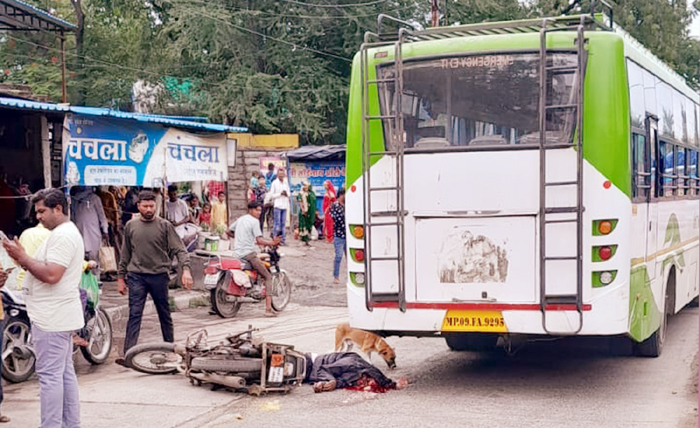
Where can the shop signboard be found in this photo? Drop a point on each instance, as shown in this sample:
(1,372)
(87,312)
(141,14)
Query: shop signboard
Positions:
(111,151)
(316,173)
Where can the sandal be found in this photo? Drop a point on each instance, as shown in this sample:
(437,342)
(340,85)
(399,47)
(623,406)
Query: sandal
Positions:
(4,419)
(270,314)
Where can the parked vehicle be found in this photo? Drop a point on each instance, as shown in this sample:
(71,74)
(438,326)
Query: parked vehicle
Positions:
(18,357)
(98,334)
(242,362)
(232,281)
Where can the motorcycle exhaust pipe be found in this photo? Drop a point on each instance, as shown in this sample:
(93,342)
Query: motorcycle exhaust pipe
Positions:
(235,382)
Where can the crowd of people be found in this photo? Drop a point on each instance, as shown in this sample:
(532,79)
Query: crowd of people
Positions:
(147,232)
(272,191)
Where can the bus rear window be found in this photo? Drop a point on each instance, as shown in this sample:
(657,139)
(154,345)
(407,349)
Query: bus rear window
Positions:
(479,100)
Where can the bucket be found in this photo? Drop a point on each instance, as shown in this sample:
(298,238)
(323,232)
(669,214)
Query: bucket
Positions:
(211,243)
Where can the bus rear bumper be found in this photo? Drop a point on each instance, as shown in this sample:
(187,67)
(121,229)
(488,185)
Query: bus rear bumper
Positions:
(604,317)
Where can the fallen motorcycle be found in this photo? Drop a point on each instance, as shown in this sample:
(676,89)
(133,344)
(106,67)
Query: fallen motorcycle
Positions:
(241,362)
(232,281)
(18,357)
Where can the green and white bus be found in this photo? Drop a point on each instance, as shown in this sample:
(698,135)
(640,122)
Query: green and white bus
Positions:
(520,179)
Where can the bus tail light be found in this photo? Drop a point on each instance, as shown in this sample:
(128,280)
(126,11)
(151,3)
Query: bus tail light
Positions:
(357,255)
(601,279)
(358,278)
(357,231)
(604,227)
(606,277)
(603,253)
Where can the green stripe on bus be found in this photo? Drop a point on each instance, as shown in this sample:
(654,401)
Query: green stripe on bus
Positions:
(645,317)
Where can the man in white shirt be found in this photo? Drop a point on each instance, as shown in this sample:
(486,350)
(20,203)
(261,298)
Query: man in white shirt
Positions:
(53,303)
(176,212)
(247,234)
(280,196)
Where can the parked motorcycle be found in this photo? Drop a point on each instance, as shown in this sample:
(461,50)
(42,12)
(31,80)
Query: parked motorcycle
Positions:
(242,362)
(232,281)
(18,357)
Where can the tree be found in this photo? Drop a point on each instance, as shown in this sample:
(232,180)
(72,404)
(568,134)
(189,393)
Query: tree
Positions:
(660,25)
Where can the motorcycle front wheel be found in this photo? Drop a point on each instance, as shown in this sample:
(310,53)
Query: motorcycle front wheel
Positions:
(154,358)
(99,338)
(18,359)
(219,304)
(281,290)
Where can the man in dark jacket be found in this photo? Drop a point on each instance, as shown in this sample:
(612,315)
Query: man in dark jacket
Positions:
(343,369)
(150,243)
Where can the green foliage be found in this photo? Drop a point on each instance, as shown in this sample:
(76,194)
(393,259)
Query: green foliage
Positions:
(270,65)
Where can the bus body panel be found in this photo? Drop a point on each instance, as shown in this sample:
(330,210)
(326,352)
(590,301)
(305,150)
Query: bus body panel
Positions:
(496,193)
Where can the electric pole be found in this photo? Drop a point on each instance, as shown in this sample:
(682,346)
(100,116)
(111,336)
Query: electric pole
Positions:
(434,10)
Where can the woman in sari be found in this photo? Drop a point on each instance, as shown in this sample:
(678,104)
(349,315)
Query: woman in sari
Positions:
(307,212)
(328,200)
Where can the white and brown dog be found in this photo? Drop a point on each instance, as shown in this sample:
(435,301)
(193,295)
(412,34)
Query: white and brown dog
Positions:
(346,337)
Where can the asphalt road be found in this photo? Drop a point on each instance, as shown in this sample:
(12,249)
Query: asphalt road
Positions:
(572,383)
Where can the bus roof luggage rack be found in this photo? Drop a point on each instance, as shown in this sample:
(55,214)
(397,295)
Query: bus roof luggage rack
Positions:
(590,21)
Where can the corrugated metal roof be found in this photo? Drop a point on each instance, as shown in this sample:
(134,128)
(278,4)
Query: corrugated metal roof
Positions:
(311,153)
(97,111)
(41,14)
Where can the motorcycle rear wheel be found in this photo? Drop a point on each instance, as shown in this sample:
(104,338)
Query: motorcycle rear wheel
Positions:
(17,334)
(281,290)
(100,338)
(154,358)
(243,365)
(219,304)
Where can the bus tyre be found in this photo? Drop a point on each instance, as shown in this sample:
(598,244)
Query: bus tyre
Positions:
(475,342)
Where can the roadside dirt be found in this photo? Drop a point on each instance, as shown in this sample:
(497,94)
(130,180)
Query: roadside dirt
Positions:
(311,272)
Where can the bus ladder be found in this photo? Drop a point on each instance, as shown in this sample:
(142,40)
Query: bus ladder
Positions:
(549,215)
(373,220)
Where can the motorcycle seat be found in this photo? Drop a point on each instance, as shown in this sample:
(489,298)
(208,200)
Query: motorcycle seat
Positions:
(232,263)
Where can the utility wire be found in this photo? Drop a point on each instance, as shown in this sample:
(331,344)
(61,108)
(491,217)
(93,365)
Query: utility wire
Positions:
(295,45)
(291,15)
(333,6)
(209,83)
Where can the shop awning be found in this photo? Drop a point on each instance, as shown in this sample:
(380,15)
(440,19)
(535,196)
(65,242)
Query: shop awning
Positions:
(21,16)
(317,153)
(19,104)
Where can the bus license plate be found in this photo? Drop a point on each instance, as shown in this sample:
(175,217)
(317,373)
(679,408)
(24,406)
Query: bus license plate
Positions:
(212,279)
(478,321)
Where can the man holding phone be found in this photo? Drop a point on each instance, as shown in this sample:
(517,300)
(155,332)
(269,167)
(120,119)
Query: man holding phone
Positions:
(51,292)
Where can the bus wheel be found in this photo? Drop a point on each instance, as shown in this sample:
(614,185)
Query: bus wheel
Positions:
(653,345)
(471,341)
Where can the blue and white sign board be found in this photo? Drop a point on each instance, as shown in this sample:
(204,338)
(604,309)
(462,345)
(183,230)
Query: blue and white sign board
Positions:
(101,151)
(316,173)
